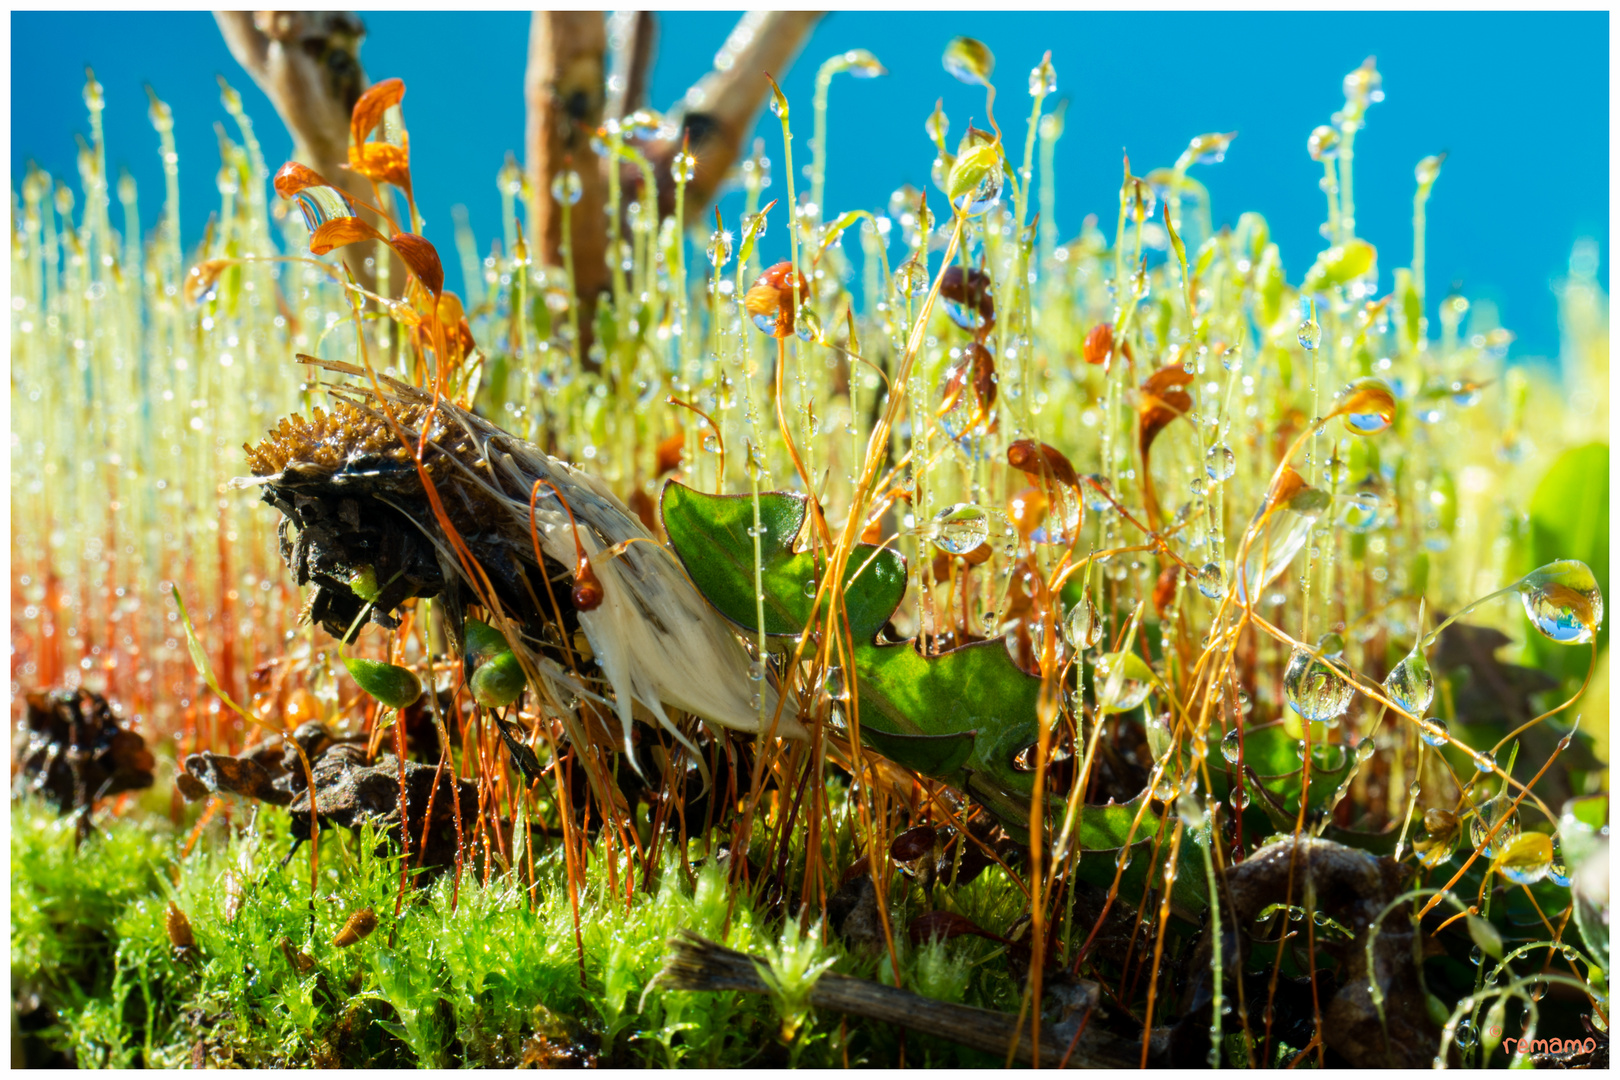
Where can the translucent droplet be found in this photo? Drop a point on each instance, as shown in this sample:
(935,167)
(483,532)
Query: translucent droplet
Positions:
(1083,626)
(1557,869)
(320,204)
(1365,750)
(1123,858)
(964,410)
(683,167)
(1465,393)
(1220,463)
(1362,512)
(1439,840)
(1323,143)
(1411,683)
(1229,746)
(711,443)
(1134,682)
(1527,860)
(1212,580)
(835,685)
(566,188)
(911,278)
(809,328)
(1275,547)
(861,64)
(984,195)
(1314,690)
(1092,487)
(1310,334)
(1434,731)
(1209,149)
(1043,78)
(960,529)
(1501,814)
(1563,601)
(1428,170)
(719,247)
(1485,762)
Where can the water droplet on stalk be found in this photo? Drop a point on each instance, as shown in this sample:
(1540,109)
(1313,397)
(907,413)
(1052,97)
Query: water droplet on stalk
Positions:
(566,188)
(1212,580)
(1501,814)
(1220,463)
(1563,601)
(1411,683)
(961,528)
(1310,333)
(1314,690)
(1135,681)
(1083,626)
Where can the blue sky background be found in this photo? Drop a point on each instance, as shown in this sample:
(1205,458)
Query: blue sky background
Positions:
(1520,101)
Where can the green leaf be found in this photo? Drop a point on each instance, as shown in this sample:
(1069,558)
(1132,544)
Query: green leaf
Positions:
(710,535)
(1486,936)
(390,684)
(1274,756)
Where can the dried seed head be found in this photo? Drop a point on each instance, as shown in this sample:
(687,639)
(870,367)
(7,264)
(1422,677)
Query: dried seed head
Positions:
(1099,344)
(178,927)
(360,924)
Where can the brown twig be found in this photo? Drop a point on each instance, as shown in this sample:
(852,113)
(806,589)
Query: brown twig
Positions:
(695,963)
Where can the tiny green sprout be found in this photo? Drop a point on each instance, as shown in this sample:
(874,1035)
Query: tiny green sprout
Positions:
(969,61)
(795,965)
(975,180)
(363,583)
(1340,265)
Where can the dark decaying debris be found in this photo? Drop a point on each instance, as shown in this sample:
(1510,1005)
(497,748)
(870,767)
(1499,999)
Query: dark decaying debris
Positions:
(72,749)
(1351,887)
(349,790)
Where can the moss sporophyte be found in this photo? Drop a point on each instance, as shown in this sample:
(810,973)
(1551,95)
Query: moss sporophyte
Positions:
(491,712)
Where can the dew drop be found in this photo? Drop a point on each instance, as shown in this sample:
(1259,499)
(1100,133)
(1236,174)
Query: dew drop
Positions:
(566,188)
(1563,601)
(1229,746)
(1314,690)
(1134,681)
(1220,463)
(1212,580)
(1434,731)
(960,529)
(1083,626)
(1411,683)
(1310,334)
(1500,814)
(1362,512)
(719,250)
